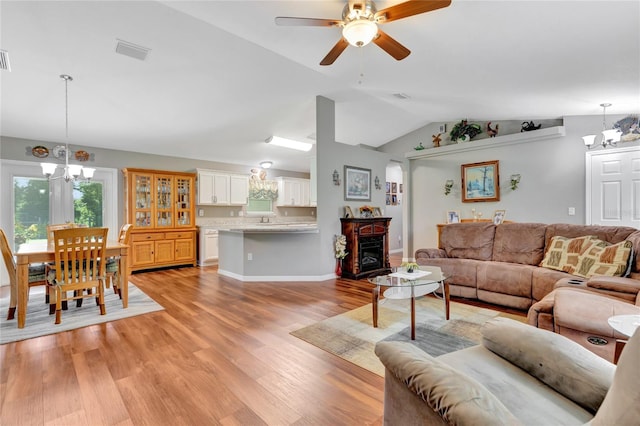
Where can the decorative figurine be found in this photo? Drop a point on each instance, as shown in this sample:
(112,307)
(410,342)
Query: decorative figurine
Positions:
(527,127)
(420,147)
(436,140)
(492,132)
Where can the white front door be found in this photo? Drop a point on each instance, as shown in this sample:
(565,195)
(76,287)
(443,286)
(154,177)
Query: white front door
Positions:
(613,187)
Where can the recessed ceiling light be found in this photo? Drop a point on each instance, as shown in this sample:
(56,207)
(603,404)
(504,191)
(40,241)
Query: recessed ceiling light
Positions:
(289,143)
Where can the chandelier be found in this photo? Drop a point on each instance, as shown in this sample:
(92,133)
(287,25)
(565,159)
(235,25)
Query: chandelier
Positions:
(72,172)
(609,137)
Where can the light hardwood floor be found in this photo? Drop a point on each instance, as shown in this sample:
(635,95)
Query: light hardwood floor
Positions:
(220,353)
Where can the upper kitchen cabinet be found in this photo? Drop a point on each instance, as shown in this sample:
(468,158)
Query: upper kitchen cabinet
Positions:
(293,192)
(222,189)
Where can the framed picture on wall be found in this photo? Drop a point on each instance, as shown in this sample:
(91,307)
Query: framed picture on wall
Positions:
(388,187)
(400,188)
(480,182)
(388,201)
(357,185)
(394,187)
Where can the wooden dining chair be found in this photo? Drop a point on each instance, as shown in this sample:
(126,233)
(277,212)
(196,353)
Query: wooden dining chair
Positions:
(36,274)
(78,252)
(113,263)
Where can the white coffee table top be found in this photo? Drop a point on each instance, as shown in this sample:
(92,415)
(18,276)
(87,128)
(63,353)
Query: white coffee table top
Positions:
(625,324)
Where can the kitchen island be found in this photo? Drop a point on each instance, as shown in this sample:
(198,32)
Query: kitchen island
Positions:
(269,252)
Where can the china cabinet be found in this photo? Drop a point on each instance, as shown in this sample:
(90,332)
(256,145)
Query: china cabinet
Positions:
(161,207)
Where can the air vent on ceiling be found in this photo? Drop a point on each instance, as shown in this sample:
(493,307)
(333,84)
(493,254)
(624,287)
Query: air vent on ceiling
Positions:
(132,50)
(4,60)
(401,95)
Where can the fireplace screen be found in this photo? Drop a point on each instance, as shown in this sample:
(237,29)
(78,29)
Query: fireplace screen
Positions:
(371,253)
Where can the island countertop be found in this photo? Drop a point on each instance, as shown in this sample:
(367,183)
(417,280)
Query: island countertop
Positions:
(263,228)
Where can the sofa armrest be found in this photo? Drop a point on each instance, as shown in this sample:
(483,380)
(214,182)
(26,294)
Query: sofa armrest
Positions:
(456,398)
(562,364)
(429,253)
(619,284)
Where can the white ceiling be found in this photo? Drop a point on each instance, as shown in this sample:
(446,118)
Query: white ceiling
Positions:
(221,76)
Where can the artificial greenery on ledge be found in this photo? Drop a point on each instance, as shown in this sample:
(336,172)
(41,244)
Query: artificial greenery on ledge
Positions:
(464,129)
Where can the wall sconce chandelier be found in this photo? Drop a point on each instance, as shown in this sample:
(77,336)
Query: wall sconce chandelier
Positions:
(376,182)
(336,178)
(515,180)
(447,186)
(72,172)
(609,137)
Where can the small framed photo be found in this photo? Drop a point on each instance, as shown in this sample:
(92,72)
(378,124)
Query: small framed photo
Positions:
(394,199)
(498,216)
(357,185)
(348,212)
(400,188)
(453,216)
(388,200)
(388,187)
(377,212)
(394,187)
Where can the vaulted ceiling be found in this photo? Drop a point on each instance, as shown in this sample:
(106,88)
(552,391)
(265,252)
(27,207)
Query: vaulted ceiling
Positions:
(221,77)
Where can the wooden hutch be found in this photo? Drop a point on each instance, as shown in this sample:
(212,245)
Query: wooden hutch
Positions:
(367,247)
(161,207)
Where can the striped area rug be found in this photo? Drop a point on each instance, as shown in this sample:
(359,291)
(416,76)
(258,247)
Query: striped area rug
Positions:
(40,323)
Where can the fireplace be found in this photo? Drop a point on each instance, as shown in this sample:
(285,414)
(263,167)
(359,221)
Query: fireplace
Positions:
(367,247)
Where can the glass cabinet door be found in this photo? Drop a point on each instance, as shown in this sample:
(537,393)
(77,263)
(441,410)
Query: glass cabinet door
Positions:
(143,201)
(164,203)
(184,201)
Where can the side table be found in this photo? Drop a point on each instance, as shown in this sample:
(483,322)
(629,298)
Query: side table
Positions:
(624,324)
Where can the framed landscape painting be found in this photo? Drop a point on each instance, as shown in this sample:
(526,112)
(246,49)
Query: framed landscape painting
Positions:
(357,184)
(480,182)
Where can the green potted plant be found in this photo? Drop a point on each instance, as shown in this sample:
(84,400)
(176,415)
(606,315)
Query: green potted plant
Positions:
(464,131)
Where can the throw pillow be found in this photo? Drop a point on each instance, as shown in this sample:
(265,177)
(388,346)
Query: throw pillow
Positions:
(602,258)
(563,253)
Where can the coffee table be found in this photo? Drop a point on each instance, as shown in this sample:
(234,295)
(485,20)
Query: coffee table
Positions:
(402,285)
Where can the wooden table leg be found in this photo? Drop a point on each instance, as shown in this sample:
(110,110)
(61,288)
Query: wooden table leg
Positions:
(375,295)
(22,290)
(447,298)
(618,350)
(124,277)
(413,317)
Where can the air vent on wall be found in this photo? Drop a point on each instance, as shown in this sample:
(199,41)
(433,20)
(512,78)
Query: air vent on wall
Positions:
(4,60)
(132,50)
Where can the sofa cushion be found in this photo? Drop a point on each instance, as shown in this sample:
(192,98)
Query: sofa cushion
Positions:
(563,254)
(468,240)
(519,243)
(601,258)
(620,407)
(457,398)
(580,375)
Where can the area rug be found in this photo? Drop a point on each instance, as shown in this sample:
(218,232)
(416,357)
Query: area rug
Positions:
(40,323)
(351,335)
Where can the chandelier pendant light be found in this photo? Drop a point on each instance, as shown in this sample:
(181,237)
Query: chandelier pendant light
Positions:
(609,137)
(72,172)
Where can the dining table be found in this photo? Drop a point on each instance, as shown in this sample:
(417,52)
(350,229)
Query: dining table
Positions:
(39,251)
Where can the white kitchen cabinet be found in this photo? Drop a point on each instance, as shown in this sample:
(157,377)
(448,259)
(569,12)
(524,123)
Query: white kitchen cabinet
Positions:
(293,192)
(222,189)
(208,253)
(238,189)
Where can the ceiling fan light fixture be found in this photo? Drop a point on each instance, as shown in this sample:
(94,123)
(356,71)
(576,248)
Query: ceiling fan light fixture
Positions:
(360,32)
(289,143)
(266,164)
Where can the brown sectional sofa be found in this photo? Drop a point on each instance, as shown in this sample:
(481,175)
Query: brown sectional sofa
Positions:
(499,263)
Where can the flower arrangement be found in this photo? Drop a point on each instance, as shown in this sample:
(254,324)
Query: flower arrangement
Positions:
(340,247)
(410,267)
(366,211)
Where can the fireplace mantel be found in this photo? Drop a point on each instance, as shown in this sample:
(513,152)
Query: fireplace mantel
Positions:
(365,258)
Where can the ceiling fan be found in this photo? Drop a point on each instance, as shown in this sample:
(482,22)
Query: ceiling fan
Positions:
(359,23)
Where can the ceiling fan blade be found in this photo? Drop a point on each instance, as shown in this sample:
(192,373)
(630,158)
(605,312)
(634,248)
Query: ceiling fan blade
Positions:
(391,46)
(409,8)
(306,22)
(335,52)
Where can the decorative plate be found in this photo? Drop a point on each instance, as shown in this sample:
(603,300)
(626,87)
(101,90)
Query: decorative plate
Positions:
(40,151)
(82,155)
